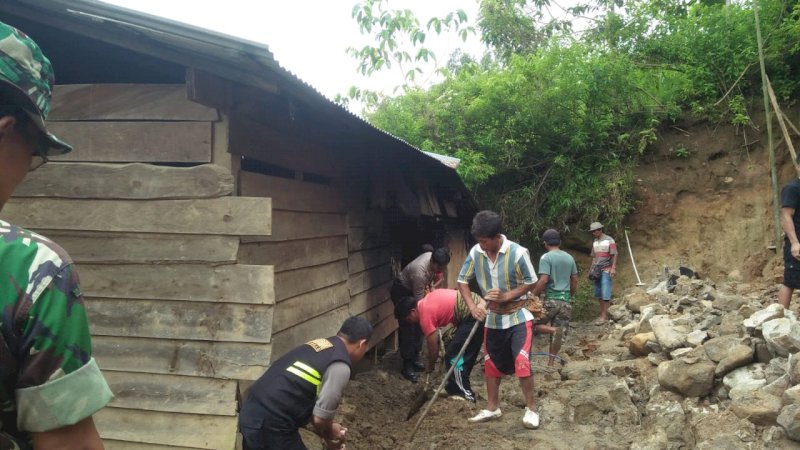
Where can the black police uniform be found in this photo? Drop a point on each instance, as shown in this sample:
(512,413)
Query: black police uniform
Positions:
(283,398)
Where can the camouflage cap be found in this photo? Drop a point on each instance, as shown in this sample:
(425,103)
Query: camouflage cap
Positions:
(26,79)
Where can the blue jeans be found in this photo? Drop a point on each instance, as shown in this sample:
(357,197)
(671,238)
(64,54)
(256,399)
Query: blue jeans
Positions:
(602,287)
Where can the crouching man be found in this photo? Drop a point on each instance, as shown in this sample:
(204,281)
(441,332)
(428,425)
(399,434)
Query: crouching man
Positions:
(304,385)
(441,308)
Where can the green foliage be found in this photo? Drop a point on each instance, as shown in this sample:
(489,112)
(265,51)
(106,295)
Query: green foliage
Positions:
(584,305)
(549,125)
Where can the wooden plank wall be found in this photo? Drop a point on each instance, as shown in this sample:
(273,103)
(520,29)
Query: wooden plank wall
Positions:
(176,318)
(308,248)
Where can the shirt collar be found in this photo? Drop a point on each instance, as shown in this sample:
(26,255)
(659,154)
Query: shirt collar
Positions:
(503,247)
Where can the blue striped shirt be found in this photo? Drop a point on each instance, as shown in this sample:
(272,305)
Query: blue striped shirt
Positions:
(511,268)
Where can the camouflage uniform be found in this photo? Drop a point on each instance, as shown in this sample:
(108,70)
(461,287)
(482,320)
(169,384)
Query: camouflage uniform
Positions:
(48,378)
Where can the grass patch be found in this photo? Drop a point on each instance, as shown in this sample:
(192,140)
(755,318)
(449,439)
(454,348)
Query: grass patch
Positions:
(584,306)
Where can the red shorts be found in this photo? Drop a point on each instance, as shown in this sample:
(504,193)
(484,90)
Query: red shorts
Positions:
(508,351)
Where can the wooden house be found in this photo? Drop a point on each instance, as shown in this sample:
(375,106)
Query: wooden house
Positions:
(220,211)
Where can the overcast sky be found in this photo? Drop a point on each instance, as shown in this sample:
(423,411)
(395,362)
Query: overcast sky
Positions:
(310,37)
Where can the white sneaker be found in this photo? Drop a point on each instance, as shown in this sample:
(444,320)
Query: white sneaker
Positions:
(530,419)
(485,415)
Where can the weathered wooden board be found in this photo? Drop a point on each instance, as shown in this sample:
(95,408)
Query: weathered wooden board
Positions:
(379,313)
(125,248)
(367,259)
(289,313)
(291,195)
(299,281)
(288,255)
(254,140)
(292,225)
(243,361)
(152,427)
(368,279)
(372,219)
(126,181)
(363,238)
(177,142)
(181,320)
(457,246)
(111,444)
(192,282)
(172,393)
(321,326)
(226,215)
(382,330)
(370,298)
(126,102)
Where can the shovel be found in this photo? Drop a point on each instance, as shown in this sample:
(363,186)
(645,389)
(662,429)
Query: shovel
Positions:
(441,385)
(632,261)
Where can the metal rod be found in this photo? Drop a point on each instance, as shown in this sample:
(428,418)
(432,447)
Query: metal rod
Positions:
(628,241)
(444,380)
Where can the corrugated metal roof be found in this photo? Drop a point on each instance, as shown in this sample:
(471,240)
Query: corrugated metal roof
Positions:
(230,57)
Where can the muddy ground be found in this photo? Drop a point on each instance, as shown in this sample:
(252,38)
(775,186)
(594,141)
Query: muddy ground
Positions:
(377,401)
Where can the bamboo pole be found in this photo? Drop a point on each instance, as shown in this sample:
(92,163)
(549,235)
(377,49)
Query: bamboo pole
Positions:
(776,207)
(781,116)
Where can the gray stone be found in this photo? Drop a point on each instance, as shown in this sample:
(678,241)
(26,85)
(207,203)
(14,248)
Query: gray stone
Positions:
(685,378)
(670,418)
(696,337)
(789,419)
(793,368)
(782,336)
(731,324)
(777,387)
(648,312)
(758,407)
(739,356)
(773,311)
(678,352)
(762,353)
(618,313)
(656,358)
(728,302)
(718,348)
(775,369)
(773,436)
(709,321)
(744,380)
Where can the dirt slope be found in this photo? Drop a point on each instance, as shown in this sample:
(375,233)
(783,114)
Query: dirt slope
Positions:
(711,209)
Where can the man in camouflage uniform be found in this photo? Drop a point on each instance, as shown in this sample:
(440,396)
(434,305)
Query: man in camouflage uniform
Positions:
(50,386)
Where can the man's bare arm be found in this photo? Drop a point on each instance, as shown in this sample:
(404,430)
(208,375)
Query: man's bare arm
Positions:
(80,436)
(541,284)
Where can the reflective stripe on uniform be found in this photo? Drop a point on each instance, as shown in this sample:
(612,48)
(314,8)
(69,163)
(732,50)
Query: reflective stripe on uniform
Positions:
(307,373)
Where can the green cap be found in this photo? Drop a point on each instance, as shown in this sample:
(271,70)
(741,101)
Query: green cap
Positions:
(26,79)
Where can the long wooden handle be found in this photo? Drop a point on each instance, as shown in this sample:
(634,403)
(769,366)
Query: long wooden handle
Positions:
(447,375)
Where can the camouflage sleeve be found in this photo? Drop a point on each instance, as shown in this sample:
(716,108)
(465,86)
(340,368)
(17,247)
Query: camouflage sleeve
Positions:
(59,383)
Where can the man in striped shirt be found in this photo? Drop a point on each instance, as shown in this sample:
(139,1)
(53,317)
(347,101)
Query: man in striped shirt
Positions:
(505,274)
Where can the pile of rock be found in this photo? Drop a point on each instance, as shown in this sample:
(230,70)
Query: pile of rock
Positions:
(727,365)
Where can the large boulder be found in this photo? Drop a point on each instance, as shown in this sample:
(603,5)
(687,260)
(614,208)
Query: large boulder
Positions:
(744,379)
(670,418)
(637,299)
(669,335)
(789,419)
(782,336)
(791,395)
(602,400)
(720,347)
(758,407)
(728,302)
(739,356)
(690,377)
(773,311)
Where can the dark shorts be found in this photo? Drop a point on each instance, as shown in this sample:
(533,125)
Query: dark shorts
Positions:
(508,351)
(557,313)
(261,433)
(791,267)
